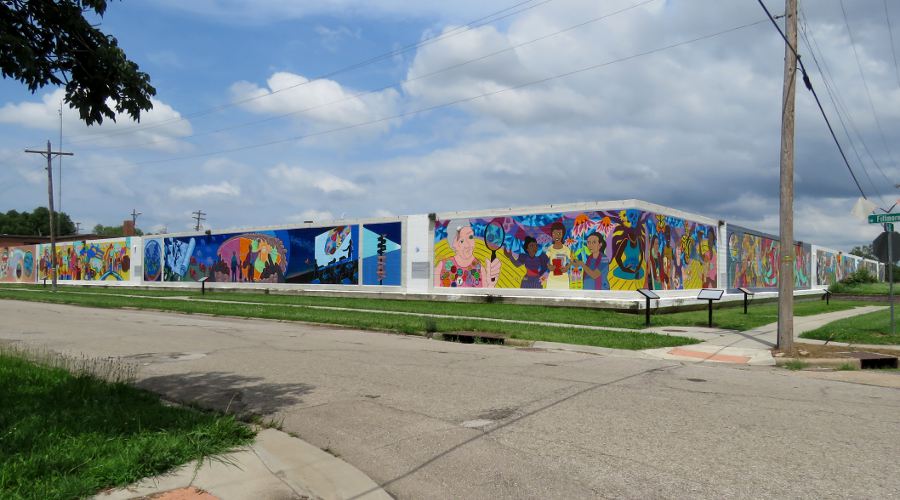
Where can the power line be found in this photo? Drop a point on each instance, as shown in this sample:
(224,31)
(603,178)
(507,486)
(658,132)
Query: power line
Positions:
(891,34)
(476,23)
(842,107)
(456,101)
(833,95)
(809,86)
(395,84)
(866,87)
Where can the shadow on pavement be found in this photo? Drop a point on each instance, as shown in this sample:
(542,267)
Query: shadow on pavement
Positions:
(229,392)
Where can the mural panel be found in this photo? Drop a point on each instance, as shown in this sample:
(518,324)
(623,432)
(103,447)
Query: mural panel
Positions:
(382,254)
(17,264)
(153,259)
(324,255)
(95,260)
(753,260)
(828,268)
(590,250)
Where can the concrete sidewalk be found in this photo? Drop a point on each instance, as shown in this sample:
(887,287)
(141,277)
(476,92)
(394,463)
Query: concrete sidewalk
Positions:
(276,466)
(751,347)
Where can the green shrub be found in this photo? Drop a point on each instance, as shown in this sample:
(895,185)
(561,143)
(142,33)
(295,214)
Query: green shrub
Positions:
(860,276)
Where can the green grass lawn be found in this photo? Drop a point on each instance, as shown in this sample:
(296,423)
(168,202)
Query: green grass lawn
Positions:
(363,320)
(864,289)
(65,436)
(872,328)
(728,316)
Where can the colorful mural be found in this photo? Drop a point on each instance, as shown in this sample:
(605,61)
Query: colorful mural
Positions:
(753,260)
(153,252)
(17,264)
(382,256)
(591,250)
(828,268)
(95,260)
(326,255)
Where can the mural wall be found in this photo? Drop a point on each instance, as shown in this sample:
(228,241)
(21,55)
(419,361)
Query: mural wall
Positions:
(17,264)
(382,254)
(591,250)
(95,260)
(324,255)
(833,267)
(753,260)
(153,259)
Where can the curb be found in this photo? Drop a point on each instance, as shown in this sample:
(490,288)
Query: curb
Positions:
(276,465)
(820,362)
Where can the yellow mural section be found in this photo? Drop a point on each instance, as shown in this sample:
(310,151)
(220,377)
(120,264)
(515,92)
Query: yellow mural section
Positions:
(510,275)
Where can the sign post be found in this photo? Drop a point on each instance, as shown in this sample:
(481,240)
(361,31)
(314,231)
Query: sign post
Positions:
(887,221)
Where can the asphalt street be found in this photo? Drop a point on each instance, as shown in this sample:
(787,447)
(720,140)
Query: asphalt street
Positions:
(430,419)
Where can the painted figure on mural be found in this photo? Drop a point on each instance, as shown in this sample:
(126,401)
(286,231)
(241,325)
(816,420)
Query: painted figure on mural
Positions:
(234,267)
(560,258)
(536,266)
(464,270)
(596,266)
(628,247)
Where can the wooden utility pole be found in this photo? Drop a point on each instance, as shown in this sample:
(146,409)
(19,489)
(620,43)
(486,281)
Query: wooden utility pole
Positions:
(49,154)
(786,211)
(198,215)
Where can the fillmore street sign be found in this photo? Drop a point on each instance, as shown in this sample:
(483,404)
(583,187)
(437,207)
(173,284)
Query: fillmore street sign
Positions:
(882,218)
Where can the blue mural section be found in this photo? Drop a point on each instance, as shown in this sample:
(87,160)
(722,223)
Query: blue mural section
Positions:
(153,262)
(321,255)
(382,254)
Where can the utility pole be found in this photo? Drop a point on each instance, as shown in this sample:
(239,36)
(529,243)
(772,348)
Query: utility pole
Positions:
(134,216)
(50,154)
(199,216)
(786,209)
(77,228)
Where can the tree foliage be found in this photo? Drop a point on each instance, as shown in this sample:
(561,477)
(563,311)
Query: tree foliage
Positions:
(864,251)
(50,42)
(36,223)
(113,231)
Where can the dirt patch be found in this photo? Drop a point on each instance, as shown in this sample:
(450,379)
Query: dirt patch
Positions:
(828,351)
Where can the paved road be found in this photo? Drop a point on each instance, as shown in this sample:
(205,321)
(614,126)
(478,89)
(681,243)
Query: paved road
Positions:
(428,419)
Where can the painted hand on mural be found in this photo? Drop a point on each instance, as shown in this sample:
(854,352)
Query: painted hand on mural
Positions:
(492,269)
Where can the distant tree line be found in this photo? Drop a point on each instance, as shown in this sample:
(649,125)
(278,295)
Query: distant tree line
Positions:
(36,223)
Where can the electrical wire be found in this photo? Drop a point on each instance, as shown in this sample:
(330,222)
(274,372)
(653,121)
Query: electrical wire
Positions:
(386,87)
(831,89)
(887,16)
(450,103)
(866,87)
(477,23)
(809,86)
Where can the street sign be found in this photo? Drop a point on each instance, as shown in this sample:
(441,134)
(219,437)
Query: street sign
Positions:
(882,218)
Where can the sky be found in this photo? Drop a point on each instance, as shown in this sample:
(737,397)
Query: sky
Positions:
(273,112)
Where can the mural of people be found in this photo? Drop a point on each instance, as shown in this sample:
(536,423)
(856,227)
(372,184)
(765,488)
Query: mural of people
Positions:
(560,258)
(596,266)
(464,270)
(536,266)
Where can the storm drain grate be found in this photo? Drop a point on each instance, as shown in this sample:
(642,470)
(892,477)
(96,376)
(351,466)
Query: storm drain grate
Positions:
(873,361)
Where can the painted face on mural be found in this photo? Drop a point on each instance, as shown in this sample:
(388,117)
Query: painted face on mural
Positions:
(532,248)
(593,244)
(464,245)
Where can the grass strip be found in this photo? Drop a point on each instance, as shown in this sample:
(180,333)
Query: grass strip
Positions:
(871,328)
(862,289)
(364,320)
(728,316)
(70,436)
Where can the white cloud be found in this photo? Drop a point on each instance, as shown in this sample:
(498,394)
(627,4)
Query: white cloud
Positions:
(310,215)
(222,189)
(301,179)
(161,128)
(319,103)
